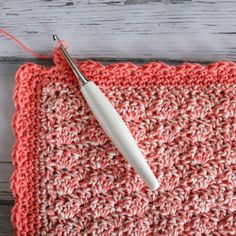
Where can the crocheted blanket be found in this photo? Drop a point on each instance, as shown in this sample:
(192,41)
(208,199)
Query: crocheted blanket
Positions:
(70,180)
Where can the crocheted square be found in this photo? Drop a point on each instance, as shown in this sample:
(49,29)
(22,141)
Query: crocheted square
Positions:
(70,180)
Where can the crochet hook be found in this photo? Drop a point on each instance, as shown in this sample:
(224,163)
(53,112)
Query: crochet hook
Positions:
(112,123)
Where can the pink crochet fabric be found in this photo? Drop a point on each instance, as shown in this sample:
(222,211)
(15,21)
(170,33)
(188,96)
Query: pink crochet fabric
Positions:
(70,180)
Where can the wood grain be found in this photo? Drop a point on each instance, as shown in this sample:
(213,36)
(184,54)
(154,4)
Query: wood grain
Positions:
(194,30)
(5,223)
(7,73)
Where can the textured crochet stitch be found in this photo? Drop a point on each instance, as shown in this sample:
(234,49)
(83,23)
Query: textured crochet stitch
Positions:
(70,180)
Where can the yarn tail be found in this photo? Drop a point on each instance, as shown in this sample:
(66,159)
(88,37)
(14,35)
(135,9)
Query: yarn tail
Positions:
(21,45)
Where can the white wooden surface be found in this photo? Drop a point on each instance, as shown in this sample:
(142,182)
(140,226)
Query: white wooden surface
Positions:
(196,30)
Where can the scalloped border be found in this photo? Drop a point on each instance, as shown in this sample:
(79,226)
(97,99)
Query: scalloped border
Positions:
(30,78)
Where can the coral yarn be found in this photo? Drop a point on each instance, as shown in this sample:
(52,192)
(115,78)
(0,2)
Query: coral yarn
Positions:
(70,180)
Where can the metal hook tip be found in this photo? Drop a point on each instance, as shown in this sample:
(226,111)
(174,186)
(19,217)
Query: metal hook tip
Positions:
(55,37)
(73,66)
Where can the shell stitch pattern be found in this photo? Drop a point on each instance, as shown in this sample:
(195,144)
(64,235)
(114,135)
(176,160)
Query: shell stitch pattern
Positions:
(70,180)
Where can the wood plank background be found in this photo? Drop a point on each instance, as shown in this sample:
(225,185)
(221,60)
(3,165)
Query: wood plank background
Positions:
(138,30)
(194,30)
(7,71)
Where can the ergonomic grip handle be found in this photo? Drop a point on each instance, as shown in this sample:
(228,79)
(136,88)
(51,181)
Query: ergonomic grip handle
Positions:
(118,132)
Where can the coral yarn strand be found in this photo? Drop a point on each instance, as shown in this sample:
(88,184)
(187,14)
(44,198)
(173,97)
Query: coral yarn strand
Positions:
(21,45)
